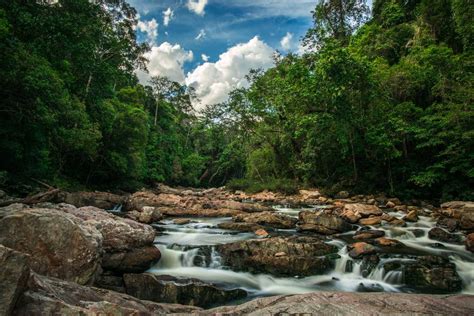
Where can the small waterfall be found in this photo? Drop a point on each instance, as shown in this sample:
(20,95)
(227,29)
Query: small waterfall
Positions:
(215,259)
(116,209)
(187,258)
(465,270)
(394,277)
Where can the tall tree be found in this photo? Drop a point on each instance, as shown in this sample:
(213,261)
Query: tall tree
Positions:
(336,19)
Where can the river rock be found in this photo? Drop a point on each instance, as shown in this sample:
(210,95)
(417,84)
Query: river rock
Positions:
(350,216)
(369,288)
(376,220)
(60,244)
(470,242)
(388,218)
(149,215)
(261,233)
(364,210)
(390,204)
(342,195)
(411,217)
(181,221)
(168,289)
(387,242)
(50,296)
(241,227)
(134,260)
(442,235)
(397,222)
(12,208)
(359,249)
(271,219)
(459,209)
(192,204)
(173,211)
(305,255)
(14,275)
(368,234)
(344,303)
(128,245)
(322,223)
(103,200)
(466,225)
(110,281)
(432,274)
(309,195)
(450,224)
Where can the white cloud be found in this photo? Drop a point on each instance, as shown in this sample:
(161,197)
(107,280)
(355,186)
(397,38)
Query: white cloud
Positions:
(166,60)
(205,58)
(167,16)
(202,34)
(214,81)
(287,41)
(150,28)
(197,6)
(304,49)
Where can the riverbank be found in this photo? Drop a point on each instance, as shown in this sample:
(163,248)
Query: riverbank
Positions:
(173,250)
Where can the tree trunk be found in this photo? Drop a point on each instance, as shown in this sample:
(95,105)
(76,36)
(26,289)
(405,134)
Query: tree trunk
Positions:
(354,163)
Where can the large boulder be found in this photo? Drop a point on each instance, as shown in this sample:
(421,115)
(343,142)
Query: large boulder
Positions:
(440,234)
(343,303)
(271,219)
(459,209)
(280,256)
(13,278)
(368,234)
(103,200)
(355,211)
(141,199)
(322,223)
(128,245)
(168,289)
(359,249)
(131,261)
(50,296)
(147,215)
(60,244)
(470,242)
(432,274)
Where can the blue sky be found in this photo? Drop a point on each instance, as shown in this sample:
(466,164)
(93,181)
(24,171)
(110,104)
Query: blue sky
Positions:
(226,23)
(211,45)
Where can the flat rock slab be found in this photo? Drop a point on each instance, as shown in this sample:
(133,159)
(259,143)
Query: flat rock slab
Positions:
(50,296)
(337,303)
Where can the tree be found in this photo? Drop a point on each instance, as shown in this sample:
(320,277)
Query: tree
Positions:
(336,19)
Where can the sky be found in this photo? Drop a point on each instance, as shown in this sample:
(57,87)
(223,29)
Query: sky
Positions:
(212,44)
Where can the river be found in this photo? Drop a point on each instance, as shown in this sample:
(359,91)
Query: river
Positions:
(188,251)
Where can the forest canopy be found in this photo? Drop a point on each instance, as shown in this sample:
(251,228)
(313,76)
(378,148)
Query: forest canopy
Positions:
(382,100)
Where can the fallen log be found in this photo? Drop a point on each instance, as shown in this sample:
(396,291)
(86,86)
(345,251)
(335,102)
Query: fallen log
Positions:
(41,197)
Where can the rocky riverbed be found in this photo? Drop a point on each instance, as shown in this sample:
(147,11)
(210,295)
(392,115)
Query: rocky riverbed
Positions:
(184,251)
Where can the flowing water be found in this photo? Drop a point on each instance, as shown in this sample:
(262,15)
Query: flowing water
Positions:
(188,251)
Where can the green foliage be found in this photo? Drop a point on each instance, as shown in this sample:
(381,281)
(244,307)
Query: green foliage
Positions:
(385,105)
(388,108)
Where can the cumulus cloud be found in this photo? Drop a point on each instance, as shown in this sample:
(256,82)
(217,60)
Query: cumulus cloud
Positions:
(167,16)
(205,58)
(287,41)
(166,60)
(214,81)
(202,34)
(197,6)
(150,28)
